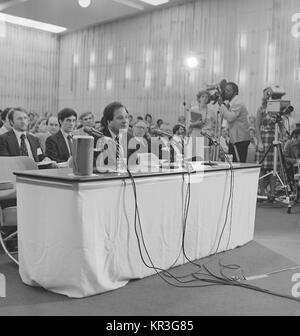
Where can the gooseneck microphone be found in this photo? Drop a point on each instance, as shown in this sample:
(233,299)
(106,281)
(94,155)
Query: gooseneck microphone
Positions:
(93,132)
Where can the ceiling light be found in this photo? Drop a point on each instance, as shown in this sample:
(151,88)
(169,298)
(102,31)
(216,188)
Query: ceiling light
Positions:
(84,3)
(130,4)
(155,2)
(31,23)
(191,62)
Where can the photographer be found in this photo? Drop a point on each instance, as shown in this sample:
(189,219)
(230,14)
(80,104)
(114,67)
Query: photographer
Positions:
(202,118)
(236,114)
(289,124)
(292,152)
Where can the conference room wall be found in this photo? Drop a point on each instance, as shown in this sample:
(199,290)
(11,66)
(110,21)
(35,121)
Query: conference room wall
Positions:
(139,60)
(29,65)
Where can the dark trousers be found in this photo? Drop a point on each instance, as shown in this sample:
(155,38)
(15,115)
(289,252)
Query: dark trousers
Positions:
(242,149)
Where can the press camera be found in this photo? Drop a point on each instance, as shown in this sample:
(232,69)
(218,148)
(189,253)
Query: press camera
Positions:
(217,90)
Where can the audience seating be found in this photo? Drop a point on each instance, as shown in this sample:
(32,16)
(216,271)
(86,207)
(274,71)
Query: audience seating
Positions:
(8,209)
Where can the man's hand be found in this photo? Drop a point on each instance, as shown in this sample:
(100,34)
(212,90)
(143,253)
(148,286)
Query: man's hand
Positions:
(260,147)
(220,100)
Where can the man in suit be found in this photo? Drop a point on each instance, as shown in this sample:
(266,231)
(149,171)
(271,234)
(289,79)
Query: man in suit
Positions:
(17,141)
(139,133)
(116,138)
(53,125)
(59,145)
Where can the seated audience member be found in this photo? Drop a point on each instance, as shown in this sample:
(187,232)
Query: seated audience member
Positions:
(17,141)
(6,124)
(151,132)
(33,117)
(59,145)
(159,123)
(148,120)
(177,142)
(130,119)
(292,152)
(40,130)
(86,119)
(139,135)
(40,126)
(53,125)
(98,125)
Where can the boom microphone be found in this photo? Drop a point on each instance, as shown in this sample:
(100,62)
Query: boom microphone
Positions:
(160,133)
(93,132)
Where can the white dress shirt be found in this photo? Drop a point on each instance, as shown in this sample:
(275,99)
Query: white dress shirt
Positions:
(66,140)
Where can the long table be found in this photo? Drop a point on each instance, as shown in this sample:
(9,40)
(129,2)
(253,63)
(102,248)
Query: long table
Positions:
(78,236)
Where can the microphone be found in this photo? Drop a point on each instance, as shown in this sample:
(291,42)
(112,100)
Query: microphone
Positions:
(160,133)
(93,132)
(212,139)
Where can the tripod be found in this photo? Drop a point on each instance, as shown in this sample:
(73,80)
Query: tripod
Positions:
(287,185)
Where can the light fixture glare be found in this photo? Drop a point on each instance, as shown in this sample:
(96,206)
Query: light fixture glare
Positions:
(84,3)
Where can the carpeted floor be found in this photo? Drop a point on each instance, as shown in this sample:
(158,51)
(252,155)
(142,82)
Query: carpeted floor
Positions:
(276,246)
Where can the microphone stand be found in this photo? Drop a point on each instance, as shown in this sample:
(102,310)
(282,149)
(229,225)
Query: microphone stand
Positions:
(216,143)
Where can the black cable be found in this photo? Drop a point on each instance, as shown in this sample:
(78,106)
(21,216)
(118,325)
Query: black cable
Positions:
(217,280)
(144,245)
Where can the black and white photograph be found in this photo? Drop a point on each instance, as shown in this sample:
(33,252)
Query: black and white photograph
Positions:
(150,161)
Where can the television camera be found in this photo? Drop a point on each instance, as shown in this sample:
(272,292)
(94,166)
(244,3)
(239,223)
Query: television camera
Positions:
(276,106)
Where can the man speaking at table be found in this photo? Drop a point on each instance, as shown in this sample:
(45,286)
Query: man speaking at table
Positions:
(116,140)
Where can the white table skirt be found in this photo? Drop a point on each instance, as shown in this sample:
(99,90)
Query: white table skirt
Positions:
(81,240)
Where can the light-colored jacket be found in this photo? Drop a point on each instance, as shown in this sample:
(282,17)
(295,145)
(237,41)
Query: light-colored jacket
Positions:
(236,115)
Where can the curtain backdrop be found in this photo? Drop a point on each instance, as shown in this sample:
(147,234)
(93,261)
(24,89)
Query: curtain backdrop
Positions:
(139,60)
(29,66)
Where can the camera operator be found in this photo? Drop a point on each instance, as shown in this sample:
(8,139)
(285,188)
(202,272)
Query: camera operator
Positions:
(289,124)
(236,114)
(265,133)
(292,152)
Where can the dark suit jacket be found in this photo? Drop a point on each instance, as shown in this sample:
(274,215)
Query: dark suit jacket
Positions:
(9,145)
(129,150)
(56,148)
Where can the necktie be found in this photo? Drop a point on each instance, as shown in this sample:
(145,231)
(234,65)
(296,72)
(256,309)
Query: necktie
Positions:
(23,147)
(69,137)
(117,140)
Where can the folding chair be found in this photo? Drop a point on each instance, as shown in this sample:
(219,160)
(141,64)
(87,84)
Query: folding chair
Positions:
(8,211)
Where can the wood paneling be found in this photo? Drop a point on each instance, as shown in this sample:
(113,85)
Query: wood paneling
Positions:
(29,66)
